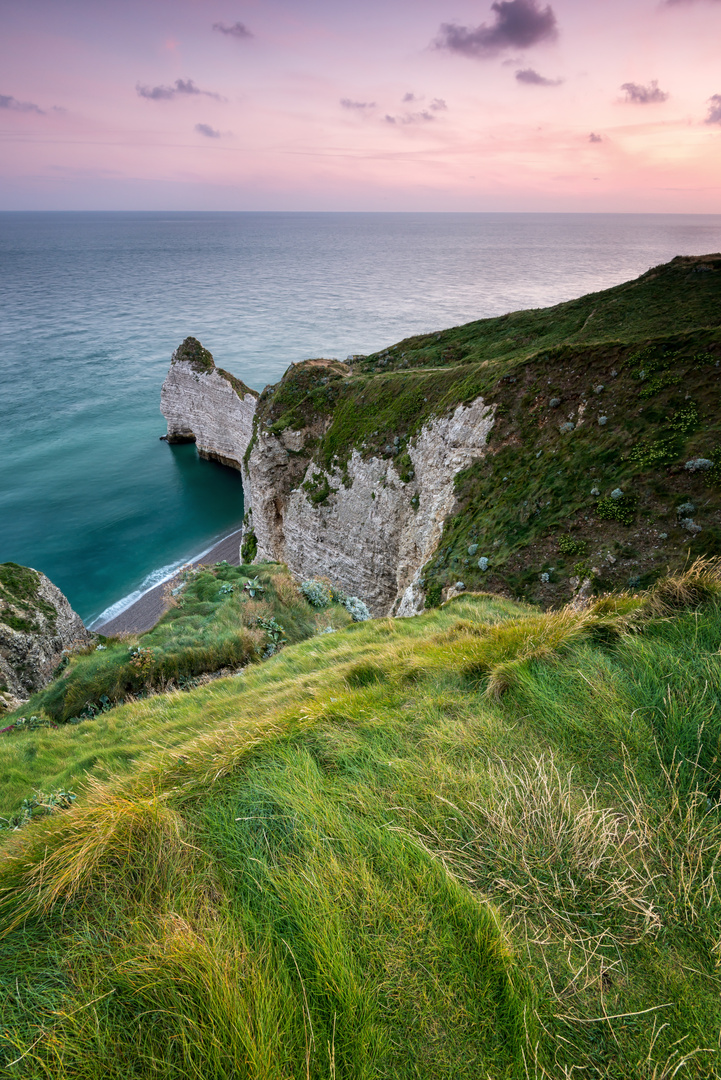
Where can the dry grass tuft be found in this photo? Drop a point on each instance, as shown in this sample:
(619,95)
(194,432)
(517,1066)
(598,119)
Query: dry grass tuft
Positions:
(286,589)
(562,861)
(537,639)
(87,849)
(690,588)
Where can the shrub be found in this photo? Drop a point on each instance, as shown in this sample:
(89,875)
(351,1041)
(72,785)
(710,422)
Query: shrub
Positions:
(318,593)
(357,610)
(569,545)
(621,510)
(249,548)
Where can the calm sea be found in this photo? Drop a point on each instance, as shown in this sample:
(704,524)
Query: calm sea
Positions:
(92,306)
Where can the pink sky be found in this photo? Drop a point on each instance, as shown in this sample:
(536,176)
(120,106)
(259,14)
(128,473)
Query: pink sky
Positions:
(384,105)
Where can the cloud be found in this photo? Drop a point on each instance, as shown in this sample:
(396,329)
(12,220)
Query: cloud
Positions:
(410,118)
(409,97)
(207,130)
(714,109)
(518,24)
(359,106)
(593,137)
(238,30)
(167,93)
(7,101)
(637,94)
(438,105)
(532,78)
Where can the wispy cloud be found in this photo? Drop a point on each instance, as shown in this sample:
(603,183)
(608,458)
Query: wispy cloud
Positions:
(207,130)
(408,98)
(636,94)
(532,78)
(237,30)
(714,109)
(357,106)
(593,137)
(180,88)
(410,118)
(438,105)
(518,24)
(7,101)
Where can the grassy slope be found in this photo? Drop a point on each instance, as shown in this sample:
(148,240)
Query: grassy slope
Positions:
(481,842)
(653,344)
(206,631)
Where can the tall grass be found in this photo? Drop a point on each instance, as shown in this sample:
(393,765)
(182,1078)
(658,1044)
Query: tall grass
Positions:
(363,864)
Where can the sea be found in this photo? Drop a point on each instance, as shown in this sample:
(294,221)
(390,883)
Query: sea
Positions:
(92,306)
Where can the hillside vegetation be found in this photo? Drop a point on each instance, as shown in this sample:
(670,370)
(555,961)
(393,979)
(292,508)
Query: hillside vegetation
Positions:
(604,462)
(482,842)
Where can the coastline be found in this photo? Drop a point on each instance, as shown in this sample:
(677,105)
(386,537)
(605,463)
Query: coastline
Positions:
(143,613)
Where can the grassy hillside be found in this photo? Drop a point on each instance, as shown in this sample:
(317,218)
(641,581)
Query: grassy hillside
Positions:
(611,393)
(483,842)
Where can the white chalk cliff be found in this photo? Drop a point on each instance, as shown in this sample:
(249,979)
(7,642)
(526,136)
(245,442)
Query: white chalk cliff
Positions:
(373,533)
(206,405)
(374,536)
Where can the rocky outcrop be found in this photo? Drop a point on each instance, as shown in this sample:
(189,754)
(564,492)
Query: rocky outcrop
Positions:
(373,532)
(206,405)
(369,525)
(37,628)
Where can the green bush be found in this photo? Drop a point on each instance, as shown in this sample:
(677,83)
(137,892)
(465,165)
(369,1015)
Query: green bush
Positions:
(621,510)
(570,545)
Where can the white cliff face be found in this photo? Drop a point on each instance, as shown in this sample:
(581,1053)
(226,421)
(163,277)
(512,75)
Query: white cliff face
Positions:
(369,538)
(210,408)
(30,653)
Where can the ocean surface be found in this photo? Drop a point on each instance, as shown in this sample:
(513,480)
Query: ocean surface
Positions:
(93,304)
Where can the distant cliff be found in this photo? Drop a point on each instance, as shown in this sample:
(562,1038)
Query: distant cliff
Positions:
(206,405)
(37,625)
(532,454)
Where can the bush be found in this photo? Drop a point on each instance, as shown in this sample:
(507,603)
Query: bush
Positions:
(357,610)
(249,548)
(318,593)
(621,510)
(568,545)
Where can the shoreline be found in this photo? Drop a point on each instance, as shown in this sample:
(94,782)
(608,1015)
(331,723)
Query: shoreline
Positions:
(142,614)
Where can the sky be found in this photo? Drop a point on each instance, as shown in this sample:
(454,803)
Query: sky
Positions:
(415,105)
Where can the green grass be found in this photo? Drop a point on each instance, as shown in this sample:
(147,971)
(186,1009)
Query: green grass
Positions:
(215,622)
(482,842)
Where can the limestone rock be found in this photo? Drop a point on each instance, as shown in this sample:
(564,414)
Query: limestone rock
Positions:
(373,536)
(37,626)
(206,405)
(367,530)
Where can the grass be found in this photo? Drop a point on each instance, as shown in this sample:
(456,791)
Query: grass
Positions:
(482,842)
(223,617)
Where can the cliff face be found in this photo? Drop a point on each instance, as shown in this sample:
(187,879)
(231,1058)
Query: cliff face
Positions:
(206,405)
(534,455)
(368,523)
(36,625)
(370,531)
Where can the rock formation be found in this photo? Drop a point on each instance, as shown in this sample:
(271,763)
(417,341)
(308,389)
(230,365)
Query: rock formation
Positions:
(373,532)
(37,627)
(522,454)
(206,405)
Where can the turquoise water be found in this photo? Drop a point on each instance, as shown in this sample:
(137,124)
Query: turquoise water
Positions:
(92,306)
